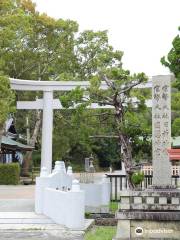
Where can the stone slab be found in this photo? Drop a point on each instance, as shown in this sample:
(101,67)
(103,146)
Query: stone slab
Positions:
(155,230)
(140,229)
(123,229)
(30,220)
(152,193)
(151,207)
(154,215)
(37,234)
(100,209)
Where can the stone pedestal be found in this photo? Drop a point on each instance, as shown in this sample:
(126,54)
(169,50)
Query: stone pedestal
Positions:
(150,214)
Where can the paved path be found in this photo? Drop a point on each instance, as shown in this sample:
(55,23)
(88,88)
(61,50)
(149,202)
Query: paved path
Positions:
(30,226)
(17,198)
(17,192)
(17,220)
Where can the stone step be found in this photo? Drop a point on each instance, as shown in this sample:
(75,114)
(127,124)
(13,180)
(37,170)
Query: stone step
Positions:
(23,218)
(41,226)
(25,221)
(31,227)
(21,215)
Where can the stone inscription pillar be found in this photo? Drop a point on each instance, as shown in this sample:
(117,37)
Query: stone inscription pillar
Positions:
(161,130)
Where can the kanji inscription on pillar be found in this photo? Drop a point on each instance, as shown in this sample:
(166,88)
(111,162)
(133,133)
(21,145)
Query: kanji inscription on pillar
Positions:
(161,129)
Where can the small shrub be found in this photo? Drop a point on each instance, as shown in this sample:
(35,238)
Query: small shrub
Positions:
(113,206)
(87,214)
(137,178)
(9,174)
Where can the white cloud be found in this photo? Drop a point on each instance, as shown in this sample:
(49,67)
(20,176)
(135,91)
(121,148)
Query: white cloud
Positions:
(143,29)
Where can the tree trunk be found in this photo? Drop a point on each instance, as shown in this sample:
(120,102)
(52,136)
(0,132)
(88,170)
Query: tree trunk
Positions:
(127,158)
(124,143)
(2,127)
(32,141)
(1,134)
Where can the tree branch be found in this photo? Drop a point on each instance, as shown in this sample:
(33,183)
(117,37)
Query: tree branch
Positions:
(104,136)
(129,87)
(102,114)
(108,82)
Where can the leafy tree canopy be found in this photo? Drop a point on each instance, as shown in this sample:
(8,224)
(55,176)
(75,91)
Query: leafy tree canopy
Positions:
(172,61)
(36,46)
(6,99)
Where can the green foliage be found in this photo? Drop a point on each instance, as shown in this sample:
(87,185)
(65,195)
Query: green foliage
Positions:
(9,174)
(176,127)
(72,98)
(136,120)
(36,46)
(71,138)
(87,214)
(137,177)
(173,60)
(93,52)
(36,158)
(100,233)
(113,206)
(107,152)
(6,99)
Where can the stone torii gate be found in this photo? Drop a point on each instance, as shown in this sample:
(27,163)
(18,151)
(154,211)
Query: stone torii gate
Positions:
(47,104)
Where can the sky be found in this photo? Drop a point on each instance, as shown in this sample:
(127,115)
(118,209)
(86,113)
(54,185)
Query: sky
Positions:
(142,29)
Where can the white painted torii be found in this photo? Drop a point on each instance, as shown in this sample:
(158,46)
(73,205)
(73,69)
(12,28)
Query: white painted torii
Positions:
(48,104)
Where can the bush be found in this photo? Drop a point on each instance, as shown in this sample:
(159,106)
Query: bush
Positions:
(137,178)
(9,174)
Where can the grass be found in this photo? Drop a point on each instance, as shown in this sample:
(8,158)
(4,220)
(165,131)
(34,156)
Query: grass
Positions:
(100,233)
(113,207)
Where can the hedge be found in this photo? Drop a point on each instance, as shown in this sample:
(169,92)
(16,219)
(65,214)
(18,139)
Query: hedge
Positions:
(9,174)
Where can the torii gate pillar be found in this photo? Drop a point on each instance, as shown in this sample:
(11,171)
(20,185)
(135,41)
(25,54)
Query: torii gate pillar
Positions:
(47,131)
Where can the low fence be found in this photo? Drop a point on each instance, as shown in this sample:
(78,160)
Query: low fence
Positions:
(120,183)
(148,170)
(32,174)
